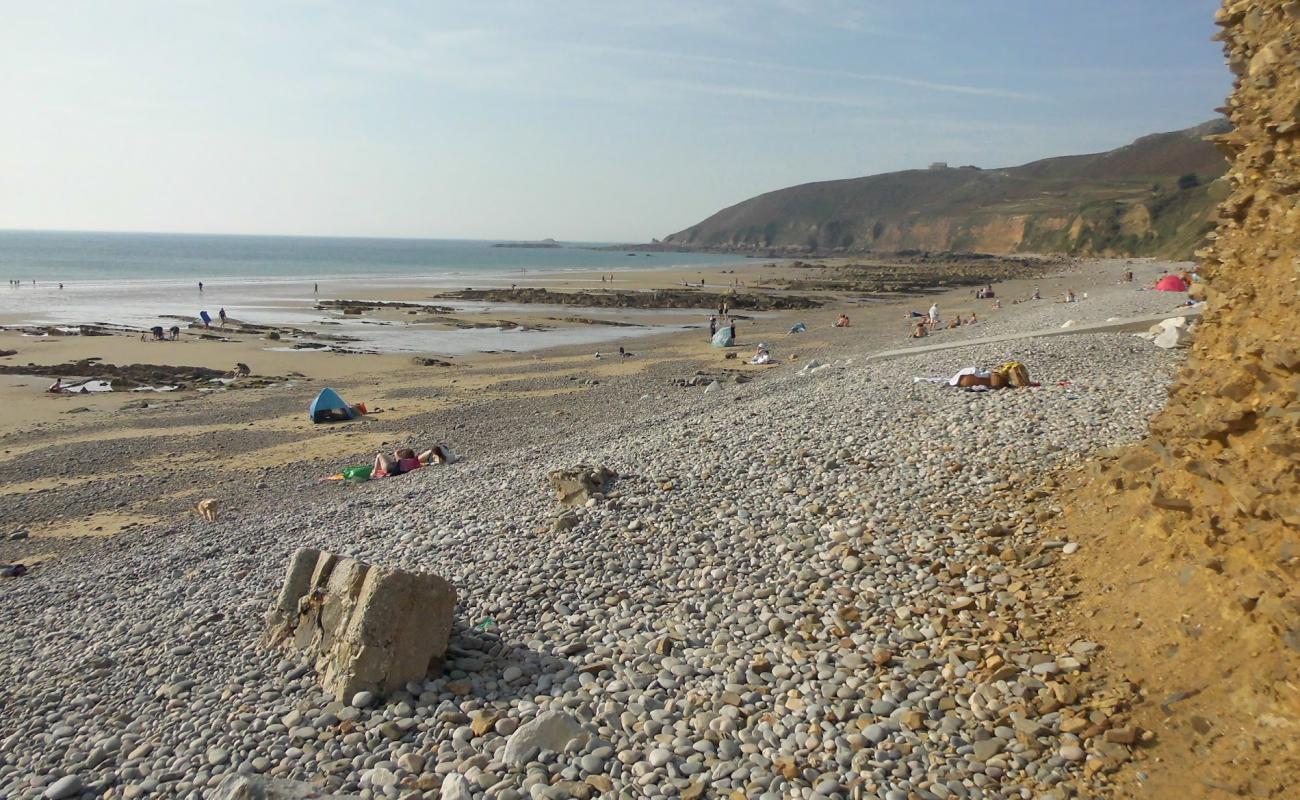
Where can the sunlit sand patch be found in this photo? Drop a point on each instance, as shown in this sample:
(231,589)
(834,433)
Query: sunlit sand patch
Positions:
(45,484)
(100,523)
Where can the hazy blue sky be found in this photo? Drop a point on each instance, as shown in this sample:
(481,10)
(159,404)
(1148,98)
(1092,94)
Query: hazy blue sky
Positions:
(579,120)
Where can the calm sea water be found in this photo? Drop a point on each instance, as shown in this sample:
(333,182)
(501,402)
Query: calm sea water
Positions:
(72,256)
(139,280)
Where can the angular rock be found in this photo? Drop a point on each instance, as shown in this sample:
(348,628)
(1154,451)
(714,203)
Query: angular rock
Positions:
(1170,338)
(368,628)
(255,787)
(576,485)
(550,730)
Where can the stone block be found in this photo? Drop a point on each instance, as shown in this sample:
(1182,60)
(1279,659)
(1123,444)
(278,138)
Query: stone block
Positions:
(576,485)
(368,628)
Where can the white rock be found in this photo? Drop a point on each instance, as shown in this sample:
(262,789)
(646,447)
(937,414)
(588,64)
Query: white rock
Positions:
(455,787)
(550,730)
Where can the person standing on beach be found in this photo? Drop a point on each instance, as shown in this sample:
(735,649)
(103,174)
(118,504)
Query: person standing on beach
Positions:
(315,288)
(713,326)
(222,313)
(934,314)
(733,331)
(200,286)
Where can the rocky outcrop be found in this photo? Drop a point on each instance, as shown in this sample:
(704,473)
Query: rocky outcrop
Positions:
(577,485)
(1201,523)
(657,298)
(368,628)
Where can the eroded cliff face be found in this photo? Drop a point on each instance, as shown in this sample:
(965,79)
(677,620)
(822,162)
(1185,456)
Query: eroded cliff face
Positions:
(1195,585)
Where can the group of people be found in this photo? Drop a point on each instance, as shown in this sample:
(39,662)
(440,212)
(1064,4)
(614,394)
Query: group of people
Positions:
(14,284)
(157,334)
(715,324)
(926,324)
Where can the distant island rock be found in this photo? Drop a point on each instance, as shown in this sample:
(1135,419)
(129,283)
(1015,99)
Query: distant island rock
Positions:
(542,245)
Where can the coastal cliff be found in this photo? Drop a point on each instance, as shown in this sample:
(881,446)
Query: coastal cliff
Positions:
(1196,595)
(1155,196)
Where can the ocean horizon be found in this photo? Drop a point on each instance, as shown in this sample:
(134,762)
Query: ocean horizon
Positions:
(72,256)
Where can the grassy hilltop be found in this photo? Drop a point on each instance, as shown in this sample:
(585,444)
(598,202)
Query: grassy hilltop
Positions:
(1155,196)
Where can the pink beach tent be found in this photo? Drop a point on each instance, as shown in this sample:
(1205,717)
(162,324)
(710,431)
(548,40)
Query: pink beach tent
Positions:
(1171,283)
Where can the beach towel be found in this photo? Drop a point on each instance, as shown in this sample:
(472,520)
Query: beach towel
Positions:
(955,379)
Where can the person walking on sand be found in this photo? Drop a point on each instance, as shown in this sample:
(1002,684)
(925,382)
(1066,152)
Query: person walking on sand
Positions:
(222,313)
(200,286)
(315,288)
(934,313)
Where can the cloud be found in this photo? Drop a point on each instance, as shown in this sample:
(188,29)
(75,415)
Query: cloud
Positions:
(751,93)
(871,77)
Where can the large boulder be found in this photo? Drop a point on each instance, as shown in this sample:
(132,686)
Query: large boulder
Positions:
(577,485)
(369,628)
(255,787)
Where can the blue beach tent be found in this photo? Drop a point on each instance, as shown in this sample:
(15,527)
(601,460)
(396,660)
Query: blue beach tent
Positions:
(329,406)
(723,337)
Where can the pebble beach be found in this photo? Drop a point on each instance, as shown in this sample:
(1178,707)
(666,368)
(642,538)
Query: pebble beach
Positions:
(825,582)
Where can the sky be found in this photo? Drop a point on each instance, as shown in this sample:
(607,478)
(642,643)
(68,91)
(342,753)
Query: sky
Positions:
(584,121)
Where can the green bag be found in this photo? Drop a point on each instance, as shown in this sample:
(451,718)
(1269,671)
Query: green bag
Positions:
(358,473)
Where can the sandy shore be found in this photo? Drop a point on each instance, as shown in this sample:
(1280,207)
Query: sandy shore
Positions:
(70,461)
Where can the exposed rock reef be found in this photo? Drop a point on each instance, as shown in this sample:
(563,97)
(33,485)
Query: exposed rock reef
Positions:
(1203,518)
(910,272)
(1154,196)
(130,376)
(658,298)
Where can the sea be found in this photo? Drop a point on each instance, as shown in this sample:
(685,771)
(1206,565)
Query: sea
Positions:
(137,279)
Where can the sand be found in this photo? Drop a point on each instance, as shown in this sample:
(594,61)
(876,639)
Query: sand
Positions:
(189,440)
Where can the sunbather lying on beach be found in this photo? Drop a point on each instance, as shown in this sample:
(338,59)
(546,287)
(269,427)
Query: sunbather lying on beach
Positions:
(406,459)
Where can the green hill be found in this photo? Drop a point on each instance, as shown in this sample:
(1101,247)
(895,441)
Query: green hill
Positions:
(1134,200)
